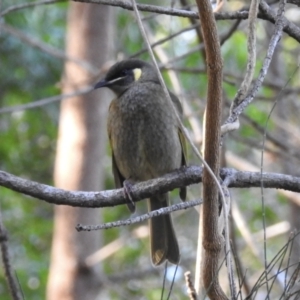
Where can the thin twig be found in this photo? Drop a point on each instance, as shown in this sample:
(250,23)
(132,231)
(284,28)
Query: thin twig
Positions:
(278,27)
(291,237)
(172,283)
(190,286)
(258,83)
(27,5)
(290,28)
(164,40)
(9,272)
(42,102)
(230,32)
(142,218)
(245,85)
(270,266)
(47,48)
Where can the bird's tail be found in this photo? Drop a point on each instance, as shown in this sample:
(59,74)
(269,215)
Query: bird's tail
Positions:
(164,245)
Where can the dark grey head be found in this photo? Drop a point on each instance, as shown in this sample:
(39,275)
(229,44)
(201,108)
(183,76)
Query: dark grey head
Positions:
(127,72)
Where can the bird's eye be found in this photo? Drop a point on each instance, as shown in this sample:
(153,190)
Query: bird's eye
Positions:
(125,72)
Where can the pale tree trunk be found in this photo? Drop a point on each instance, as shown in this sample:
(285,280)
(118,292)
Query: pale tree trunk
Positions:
(80,152)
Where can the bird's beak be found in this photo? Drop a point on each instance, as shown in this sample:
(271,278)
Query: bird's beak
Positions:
(100,84)
(104,83)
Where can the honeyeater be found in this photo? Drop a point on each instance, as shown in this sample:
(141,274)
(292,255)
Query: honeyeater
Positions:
(146,142)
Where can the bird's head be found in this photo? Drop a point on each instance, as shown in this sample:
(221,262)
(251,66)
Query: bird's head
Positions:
(125,73)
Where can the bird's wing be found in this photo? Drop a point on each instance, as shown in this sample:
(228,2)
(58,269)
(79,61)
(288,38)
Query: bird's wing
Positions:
(183,147)
(182,191)
(178,106)
(119,179)
(179,109)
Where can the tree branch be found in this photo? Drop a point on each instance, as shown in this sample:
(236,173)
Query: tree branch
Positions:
(289,28)
(178,178)
(27,5)
(212,239)
(34,42)
(263,72)
(139,219)
(45,101)
(251,47)
(9,272)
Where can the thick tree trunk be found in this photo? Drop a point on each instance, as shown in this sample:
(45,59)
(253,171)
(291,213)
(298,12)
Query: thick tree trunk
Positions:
(80,152)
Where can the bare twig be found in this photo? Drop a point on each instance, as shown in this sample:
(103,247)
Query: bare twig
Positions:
(166,39)
(145,7)
(47,48)
(27,5)
(230,32)
(290,28)
(184,3)
(258,83)
(270,268)
(241,274)
(42,102)
(279,28)
(9,272)
(190,286)
(269,14)
(251,55)
(139,219)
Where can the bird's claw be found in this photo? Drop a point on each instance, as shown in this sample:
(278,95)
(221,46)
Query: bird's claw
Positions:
(127,190)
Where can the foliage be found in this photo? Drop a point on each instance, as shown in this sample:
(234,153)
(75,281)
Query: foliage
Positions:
(28,139)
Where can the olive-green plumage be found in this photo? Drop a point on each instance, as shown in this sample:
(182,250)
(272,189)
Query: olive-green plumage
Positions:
(146,142)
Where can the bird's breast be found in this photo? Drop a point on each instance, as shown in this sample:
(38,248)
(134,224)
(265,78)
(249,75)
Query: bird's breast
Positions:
(143,135)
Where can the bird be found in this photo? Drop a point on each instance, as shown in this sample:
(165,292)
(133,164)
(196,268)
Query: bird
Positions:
(146,142)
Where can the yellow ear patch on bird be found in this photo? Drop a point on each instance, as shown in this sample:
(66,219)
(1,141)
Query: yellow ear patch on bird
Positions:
(137,74)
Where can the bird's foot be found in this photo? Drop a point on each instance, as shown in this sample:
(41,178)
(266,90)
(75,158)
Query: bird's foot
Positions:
(127,190)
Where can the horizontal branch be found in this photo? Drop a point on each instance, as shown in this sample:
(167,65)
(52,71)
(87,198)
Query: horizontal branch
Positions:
(290,28)
(17,7)
(46,48)
(45,101)
(178,178)
(266,14)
